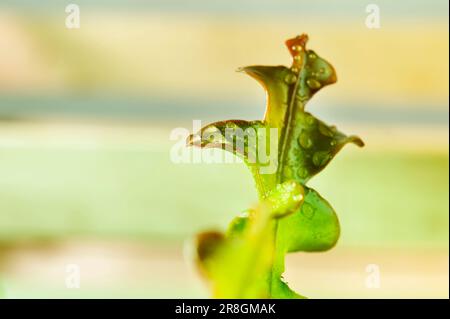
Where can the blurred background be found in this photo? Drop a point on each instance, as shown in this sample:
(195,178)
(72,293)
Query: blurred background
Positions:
(85,117)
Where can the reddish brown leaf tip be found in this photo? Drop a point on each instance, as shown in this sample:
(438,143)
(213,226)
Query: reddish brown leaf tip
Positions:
(297,44)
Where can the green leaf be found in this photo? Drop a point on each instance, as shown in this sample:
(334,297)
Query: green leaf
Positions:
(250,265)
(312,145)
(237,257)
(235,136)
(306,144)
(313,227)
(249,140)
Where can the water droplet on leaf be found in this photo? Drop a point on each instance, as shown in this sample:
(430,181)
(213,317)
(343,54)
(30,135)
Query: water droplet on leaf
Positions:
(325,130)
(231,125)
(302,172)
(308,211)
(313,84)
(310,120)
(304,140)
(290,78)
(320,158)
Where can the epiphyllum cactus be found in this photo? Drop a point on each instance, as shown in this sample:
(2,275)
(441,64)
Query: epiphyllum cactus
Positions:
(248,260)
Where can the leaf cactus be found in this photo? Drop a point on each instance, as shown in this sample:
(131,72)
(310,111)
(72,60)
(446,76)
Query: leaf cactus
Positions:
(247,261)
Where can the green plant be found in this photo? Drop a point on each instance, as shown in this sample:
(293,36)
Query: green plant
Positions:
(248,260)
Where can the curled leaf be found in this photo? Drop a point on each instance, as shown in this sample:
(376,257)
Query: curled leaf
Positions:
(312,145)
(248,260)
(236,136)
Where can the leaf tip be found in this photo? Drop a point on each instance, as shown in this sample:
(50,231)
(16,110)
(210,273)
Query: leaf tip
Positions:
(193,139)
(250,70)
(356,140)
(206,244)
(297,44)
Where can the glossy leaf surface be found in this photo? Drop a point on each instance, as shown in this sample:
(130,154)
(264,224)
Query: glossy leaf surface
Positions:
(304,146)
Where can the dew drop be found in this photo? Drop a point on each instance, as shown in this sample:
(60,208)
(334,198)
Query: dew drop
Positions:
(312,56)
(313,84)
(333,143)
(297,58)
(310,120)
(290,78)
(320,158)
(325,130)
(230,129)
(302,172)
(297,48)
(305,141)
(308,211)
(295,70)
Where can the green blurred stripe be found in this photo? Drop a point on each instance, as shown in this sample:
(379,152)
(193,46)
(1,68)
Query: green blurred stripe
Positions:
(401,9)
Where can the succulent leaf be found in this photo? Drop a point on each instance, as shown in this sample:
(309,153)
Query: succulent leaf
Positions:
(248,260)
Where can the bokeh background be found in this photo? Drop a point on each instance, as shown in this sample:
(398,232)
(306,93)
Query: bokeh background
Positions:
(85,118)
